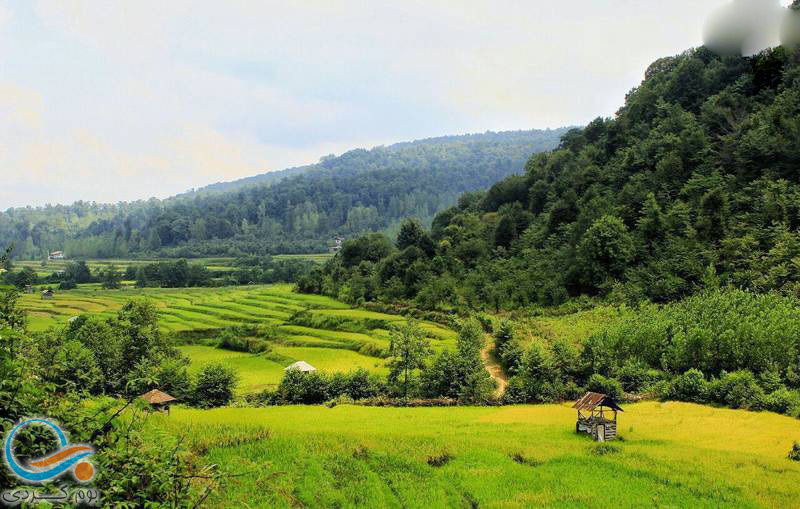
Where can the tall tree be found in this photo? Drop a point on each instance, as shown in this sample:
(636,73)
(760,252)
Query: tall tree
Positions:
(408,349)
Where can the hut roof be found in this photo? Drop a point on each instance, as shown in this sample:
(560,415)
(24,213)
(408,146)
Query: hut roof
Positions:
(302,366)
(592,400)
(156,397)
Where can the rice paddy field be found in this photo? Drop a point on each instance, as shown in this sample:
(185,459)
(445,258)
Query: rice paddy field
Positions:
(328,334)
(673,455)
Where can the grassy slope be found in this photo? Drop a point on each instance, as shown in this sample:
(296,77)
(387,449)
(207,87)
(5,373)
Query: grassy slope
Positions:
(674,454)
(203,312)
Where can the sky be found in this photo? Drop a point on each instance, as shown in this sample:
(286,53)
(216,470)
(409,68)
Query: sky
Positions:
(123,100)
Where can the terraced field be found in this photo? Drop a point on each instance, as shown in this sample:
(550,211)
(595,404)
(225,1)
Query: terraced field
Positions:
(328,334)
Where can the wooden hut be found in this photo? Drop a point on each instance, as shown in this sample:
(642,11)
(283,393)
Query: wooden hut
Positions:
(597,416)
(158,400)
(48,294)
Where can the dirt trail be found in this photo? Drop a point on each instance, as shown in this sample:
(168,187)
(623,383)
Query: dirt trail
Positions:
(493,366)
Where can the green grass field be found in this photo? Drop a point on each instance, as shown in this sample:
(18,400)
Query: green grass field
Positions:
(355,339)
(214,264)
(673,455)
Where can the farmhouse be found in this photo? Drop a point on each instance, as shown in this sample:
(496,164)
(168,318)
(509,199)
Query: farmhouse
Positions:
(56,255)
(301,366)
(595,416)
(158,400)
(48,294)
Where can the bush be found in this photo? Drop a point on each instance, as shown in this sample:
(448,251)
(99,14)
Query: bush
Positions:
(738,390)
(690,386)
(69,284)
(315,387)
(633,376)
(781,401)
(215,385)
(235,338)
(608,386)
(794,454)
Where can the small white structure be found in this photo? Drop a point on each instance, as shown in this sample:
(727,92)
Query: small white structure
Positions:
(56,255)
(301,366)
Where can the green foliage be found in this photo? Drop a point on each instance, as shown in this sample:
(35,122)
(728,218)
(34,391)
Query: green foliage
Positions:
(794,454)
(608,386)
(214,386)
(738,390)
(297,210)
(692,185)
(315,387)
(408,350)
(112,278)
(238,340)
(716,331)
(690,386)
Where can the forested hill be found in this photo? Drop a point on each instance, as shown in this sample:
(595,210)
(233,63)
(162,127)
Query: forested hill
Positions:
(535,141)
(694,183)
(359,191)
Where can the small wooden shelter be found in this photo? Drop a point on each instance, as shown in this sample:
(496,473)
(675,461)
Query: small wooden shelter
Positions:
(158,400)
(48,294)
(597,416)
(302,366)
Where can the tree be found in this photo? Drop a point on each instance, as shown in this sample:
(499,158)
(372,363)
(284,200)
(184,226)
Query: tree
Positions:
(78,272)
(215,385)
(412,234)
(112,278)
(408,349)
(505,233)
(605,250)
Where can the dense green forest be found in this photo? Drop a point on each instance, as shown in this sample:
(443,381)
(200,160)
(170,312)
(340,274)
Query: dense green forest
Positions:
(683,211)
(361,190)
(694,183)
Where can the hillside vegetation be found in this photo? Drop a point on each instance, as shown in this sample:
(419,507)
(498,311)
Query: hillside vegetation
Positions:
(687,199)
(361,190)
(693,184)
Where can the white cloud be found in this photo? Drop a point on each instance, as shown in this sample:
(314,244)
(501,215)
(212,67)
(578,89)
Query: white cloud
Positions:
(124,100)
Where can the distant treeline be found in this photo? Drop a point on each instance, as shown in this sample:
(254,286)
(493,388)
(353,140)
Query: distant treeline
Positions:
(165,274)
(361,190)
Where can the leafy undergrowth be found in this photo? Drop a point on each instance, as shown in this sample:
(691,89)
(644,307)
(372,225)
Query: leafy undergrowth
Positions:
(675,454)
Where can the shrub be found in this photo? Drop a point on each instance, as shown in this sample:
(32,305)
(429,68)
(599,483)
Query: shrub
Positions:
(69,284)
(215,385)
(781,401)
(604,449)
(315,387)
(633,375)
(738,390)
(608,386)
(235,338)
(690,386)
(794,454)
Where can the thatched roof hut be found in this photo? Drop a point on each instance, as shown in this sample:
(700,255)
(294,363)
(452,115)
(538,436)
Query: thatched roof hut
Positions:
(158,400)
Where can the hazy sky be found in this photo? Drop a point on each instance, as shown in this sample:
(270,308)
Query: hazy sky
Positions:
(108,101)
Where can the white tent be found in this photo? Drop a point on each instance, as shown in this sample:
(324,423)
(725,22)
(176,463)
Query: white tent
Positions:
(302,366)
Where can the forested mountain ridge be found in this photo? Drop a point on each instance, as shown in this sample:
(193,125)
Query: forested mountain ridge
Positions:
(694,183)
(359,191)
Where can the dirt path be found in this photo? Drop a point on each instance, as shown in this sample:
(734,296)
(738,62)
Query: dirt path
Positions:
(493,366)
